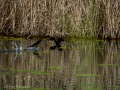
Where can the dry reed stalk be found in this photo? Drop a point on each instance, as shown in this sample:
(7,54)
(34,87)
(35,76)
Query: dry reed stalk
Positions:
(60,18)
(109,19)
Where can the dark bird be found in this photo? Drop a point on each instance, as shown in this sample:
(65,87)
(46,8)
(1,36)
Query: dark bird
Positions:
(33,48)
(35,44)
(57,41)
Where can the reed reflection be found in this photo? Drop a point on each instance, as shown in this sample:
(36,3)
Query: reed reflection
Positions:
(85,65)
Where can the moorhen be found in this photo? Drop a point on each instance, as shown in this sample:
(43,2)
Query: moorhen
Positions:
(57,41)
(34,45)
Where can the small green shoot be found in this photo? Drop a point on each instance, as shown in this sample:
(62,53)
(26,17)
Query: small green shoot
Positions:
(55,68)
(88,75)
(39,60)
(107,65)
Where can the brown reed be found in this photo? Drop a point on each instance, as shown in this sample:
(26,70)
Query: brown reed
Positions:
(74,18)
(109,21)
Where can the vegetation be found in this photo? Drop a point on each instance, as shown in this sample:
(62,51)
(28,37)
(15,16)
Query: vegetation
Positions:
(73,18)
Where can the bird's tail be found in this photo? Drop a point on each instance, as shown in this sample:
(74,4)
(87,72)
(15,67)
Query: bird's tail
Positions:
(35,44)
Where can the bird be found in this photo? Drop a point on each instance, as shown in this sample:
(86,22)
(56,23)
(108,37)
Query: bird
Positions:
(57,41)
(34,45)
(34,49)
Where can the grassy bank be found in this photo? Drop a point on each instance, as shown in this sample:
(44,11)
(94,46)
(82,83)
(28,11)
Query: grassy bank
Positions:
(73,18)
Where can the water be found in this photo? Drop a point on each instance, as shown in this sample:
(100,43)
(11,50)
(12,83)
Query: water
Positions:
(78,65)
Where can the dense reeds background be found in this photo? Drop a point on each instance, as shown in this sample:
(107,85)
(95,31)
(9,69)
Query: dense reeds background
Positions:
(74,18)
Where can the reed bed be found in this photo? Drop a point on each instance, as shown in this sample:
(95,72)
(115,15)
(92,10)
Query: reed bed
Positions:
(74,18)
(109,19)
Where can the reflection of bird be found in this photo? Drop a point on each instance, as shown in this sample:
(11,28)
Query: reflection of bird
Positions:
(54,47)
(57,41)
(16,47)
(33,48)
(34,45)
(21,47)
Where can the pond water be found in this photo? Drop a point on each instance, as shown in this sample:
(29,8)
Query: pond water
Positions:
(79,65)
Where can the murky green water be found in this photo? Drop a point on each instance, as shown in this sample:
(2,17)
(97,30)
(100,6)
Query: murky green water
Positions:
(78,65)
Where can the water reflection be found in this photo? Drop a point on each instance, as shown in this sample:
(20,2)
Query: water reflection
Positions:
(83,65)
(32,48)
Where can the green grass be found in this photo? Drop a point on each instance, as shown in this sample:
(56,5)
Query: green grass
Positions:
(87,75)
(55,68)
(107,65)
(31,71)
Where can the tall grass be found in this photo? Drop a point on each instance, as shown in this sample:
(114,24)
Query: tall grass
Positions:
(109,19)
(74,18)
